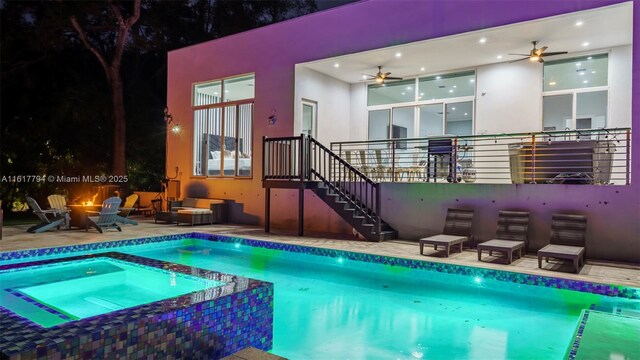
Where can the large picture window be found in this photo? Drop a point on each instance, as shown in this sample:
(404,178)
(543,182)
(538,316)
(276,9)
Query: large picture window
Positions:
(576,93)
(429,106)
(222,127)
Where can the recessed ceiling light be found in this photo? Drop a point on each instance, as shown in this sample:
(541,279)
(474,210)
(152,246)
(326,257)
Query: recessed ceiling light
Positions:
(454,86)
(453,108)
(482,40)
(409,88)
(226,91)
(552,83)
(593,72)
(465,114)
(499,57)
(422,68)
(403,93)
(579,23)
(398,54)
(590,57)
(336,65)
(451,90)
(421,94)
(472,80)
(438,77)
(585,82)
(364,76)
(578,64)
(586,43)
(581,73)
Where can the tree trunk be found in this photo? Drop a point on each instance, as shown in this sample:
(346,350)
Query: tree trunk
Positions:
(119,123)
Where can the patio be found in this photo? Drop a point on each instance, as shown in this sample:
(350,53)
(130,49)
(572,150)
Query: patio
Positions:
(16,238)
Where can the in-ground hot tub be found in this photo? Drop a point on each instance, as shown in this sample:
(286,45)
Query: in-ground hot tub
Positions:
(118,305)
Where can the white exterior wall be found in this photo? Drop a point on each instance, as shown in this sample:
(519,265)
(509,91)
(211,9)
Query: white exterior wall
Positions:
(620,87)
(333,99)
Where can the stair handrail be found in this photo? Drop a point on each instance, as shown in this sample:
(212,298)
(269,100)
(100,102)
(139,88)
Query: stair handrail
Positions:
(374,217)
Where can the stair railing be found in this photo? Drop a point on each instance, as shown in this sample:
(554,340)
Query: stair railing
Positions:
(303,158)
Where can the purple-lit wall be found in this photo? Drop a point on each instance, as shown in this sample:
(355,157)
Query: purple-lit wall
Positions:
(272,52)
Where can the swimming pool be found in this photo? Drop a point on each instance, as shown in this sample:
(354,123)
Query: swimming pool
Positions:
(331,304)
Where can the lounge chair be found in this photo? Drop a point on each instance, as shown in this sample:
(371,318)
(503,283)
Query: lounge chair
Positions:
(106,218)
(457,230)
(568,235)
(511,235)
(129,204)
(59,203)
(46,223)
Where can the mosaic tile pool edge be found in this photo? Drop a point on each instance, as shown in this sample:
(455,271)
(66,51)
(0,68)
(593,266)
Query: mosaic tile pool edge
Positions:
(499,275)
(211,326)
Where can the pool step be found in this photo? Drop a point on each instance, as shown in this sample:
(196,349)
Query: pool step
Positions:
(605,335)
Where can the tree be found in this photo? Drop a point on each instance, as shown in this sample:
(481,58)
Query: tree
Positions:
(112,70)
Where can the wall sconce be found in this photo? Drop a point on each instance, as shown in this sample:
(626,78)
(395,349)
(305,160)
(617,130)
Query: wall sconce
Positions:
(174,126)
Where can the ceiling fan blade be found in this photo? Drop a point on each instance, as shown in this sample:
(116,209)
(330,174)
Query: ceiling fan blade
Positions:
(554,53)
(540,59)
(527,55)
(392,78)
(525,58)
(541,50)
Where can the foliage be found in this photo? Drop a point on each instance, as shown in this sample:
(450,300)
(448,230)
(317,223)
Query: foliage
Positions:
(56,113)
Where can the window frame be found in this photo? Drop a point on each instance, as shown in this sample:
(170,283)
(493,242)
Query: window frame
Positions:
(222,106)
(575,91)
(417,103)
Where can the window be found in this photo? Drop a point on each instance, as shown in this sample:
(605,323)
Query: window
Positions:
(442,104)
(222,119)
(392,92)
(576,93)
(447,86)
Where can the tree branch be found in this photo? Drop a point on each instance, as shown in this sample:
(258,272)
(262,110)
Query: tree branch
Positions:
(123,30)
(85,41)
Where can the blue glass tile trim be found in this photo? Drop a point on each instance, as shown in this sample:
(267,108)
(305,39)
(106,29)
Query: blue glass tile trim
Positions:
(87,247)
(212,323)
(499,275)
(573,351)
(28,299)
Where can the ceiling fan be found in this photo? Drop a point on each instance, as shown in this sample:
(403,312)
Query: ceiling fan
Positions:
(537,54)
(381,77)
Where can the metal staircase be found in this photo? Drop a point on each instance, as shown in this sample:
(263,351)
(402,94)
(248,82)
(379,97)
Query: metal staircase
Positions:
(302,162)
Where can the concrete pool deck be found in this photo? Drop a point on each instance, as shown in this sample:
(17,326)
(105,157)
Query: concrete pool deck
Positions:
(15,237)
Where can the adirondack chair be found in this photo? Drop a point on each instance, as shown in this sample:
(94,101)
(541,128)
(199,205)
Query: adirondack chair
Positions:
(129,204)
(59,204)
(107,217)
(46,223)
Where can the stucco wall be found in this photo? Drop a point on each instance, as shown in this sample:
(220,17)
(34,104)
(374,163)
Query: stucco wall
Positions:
(272,52)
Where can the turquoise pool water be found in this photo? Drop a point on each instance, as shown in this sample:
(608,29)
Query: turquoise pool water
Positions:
(333,308)
(57,293)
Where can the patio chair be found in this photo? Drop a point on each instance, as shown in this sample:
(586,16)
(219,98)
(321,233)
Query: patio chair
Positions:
(511,236)
(59,203)
(457,230)
(46,223)
(106,218)
(568,236)
(129,205)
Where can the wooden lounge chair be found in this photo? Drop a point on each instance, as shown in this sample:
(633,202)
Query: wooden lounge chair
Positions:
(568,235)
(129,204)
(46,223)
(457,230)
(107,217)
(59,203)
(511,235)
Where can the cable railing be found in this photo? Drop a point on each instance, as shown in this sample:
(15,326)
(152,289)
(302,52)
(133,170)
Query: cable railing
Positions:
(594,156)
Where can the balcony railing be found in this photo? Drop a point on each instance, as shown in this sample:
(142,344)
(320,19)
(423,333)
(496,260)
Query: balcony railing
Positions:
(599,156)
